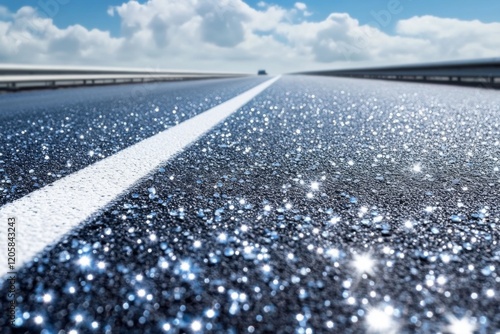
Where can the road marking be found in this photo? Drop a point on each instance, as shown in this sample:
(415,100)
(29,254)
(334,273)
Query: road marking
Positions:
(47,214)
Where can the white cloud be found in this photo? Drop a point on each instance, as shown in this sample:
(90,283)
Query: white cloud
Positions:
(111,11)
(452,38)
(300,6)
(231,35)
(29,38)
(303,8)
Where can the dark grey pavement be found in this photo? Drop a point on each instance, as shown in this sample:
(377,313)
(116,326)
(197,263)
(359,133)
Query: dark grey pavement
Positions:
(45,135)
(324,205)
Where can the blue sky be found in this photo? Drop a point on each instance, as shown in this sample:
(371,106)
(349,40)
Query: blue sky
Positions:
(314,34)
(487,11)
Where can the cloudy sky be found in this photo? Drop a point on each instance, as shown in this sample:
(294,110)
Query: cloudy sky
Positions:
(235,35)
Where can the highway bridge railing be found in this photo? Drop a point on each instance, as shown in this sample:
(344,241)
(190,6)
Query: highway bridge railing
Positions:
(479,73)
(15,77)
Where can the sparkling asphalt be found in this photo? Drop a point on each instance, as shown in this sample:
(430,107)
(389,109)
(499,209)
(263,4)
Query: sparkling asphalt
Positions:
(324,205)
(46,135)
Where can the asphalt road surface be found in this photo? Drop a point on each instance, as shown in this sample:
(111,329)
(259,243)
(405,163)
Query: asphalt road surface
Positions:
(322,205)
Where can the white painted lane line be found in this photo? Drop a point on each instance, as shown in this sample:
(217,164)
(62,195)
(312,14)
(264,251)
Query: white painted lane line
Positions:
(47,214)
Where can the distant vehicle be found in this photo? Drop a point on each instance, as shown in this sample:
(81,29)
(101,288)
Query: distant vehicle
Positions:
(262,72)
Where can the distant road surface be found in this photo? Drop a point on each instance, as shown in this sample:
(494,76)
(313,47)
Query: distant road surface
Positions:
(293,204)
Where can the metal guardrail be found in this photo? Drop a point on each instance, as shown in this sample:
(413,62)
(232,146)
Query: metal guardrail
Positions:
(483,73)
(15,77)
